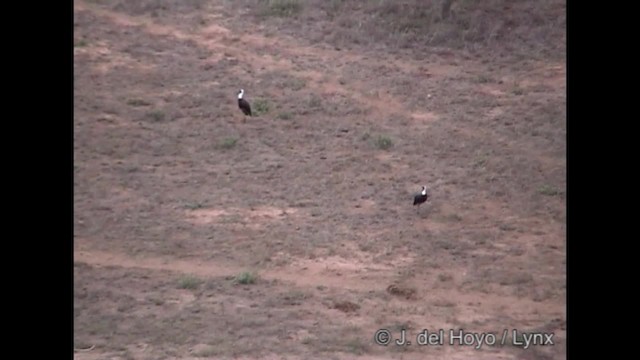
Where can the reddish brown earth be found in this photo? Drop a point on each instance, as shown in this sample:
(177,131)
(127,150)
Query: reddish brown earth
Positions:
(177,197)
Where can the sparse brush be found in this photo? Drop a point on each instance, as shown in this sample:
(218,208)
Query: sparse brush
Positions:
(261,106)
(138,102)
(281,8)
(189,283)
(246,278)
(383,142)
(549,190)
(228,143)
(193,205)
(156,116)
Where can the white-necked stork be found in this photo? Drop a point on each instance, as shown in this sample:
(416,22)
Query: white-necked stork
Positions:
(243,104)
(420,198)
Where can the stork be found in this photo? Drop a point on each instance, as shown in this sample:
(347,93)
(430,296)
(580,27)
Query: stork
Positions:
(243,104)
(420,198)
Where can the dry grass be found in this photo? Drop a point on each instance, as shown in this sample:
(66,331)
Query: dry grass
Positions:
(519,28)
(280,8)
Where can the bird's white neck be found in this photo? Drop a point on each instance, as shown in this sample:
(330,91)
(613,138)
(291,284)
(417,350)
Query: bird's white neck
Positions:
(240,94)
(424,191)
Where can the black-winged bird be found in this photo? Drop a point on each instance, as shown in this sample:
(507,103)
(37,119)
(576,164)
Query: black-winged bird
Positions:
(420,198)
(243,104)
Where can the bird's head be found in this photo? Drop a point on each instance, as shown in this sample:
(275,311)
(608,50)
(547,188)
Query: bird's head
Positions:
(424,190)
(240,93)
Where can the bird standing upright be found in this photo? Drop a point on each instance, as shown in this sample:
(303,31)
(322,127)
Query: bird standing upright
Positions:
(420,198)
(243,104)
